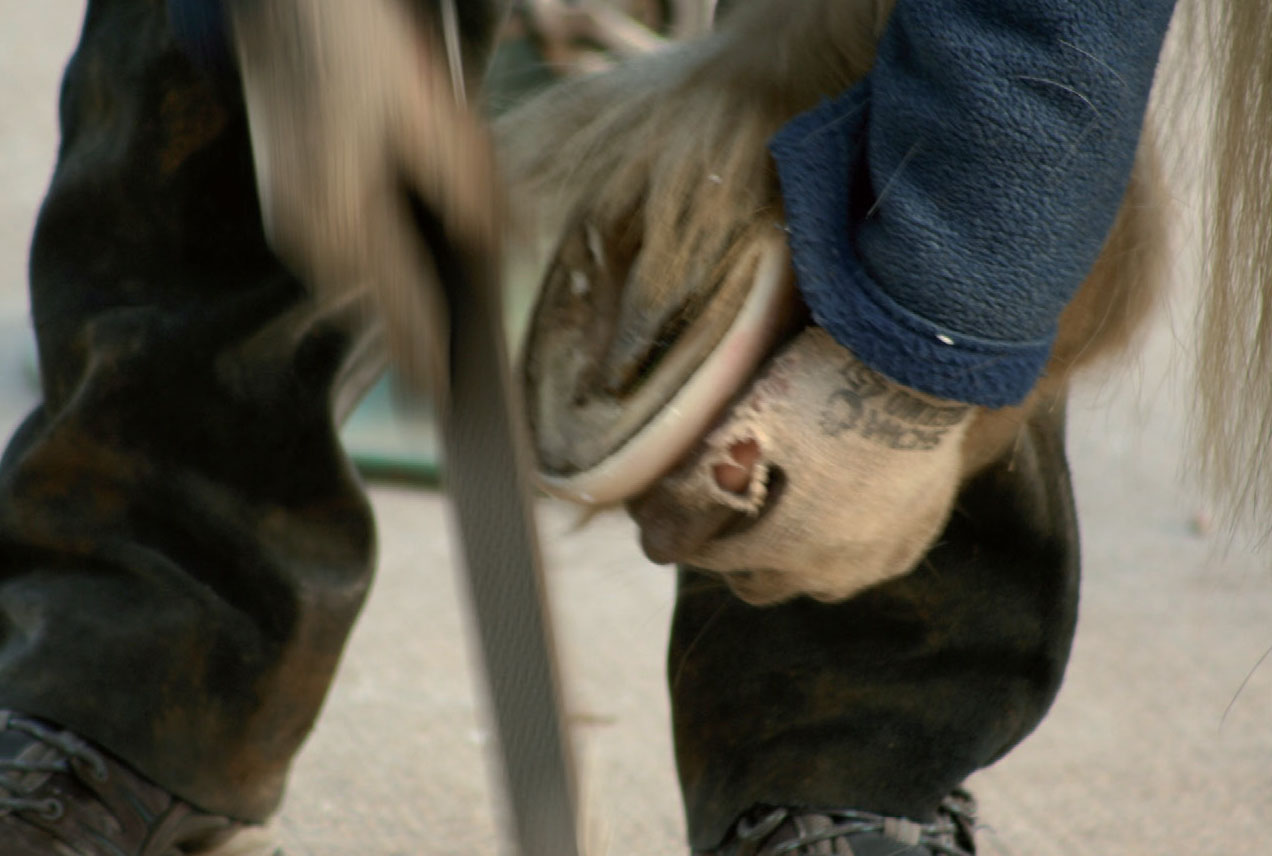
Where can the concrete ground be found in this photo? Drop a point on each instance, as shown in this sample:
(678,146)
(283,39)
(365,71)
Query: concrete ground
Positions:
(1160,742)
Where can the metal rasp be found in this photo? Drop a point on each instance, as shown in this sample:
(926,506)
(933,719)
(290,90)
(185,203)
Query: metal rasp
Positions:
(486,478)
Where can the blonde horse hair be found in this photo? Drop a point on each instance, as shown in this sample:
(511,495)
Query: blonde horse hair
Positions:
(1233,420)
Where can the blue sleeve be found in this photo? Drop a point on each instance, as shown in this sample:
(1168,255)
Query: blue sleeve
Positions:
(200,28)
(944,211)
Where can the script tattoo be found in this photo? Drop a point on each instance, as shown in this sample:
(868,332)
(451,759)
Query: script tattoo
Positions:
(869,405)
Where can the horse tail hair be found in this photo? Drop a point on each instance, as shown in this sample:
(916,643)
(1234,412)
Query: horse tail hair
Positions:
(1233,417)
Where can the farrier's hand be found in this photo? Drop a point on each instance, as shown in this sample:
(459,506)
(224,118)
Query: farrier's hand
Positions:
(823,478)
(353,114)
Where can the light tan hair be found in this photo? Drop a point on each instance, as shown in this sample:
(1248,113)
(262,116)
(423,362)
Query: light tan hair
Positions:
(1232,43)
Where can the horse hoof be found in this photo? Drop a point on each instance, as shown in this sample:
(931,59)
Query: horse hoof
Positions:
(607,418)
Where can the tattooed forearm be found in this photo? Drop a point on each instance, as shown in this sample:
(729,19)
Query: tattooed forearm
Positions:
(879,410)
(910,408)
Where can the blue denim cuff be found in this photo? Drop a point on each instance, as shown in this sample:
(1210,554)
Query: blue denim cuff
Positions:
(820,162)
